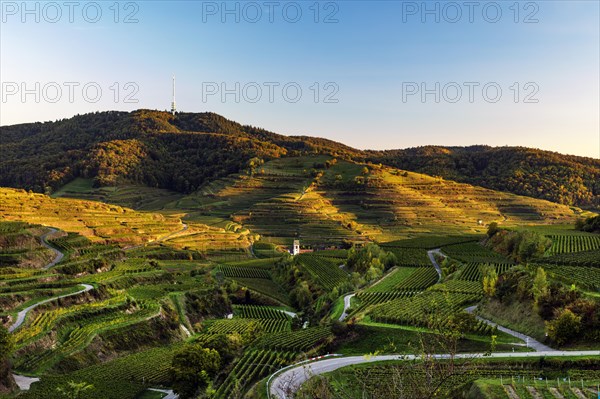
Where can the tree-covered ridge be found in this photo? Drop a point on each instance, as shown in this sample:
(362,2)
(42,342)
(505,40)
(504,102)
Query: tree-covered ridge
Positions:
(184,151)
(150,147)
(566,179)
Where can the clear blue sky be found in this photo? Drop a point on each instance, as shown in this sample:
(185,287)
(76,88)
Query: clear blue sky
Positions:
(376,56)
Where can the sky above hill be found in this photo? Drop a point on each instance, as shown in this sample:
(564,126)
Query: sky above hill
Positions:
(371,74)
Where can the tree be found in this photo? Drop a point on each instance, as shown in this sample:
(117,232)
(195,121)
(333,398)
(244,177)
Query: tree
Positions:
(564,328)
(6,347)
(193,368)
(253,331)
(371,255)
(490,279)
(301,296)
(492,229)
(6,343)
(540,286)
(75,390)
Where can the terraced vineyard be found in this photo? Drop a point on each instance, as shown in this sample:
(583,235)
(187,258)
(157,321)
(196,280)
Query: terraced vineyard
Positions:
(97,221)
(496,380)
(254,365)
(259,312)
(126,376)
(460,286)
(574,243)
(324,271)
(296,341)
(264,286)
(271,325)
(586,277)
(473,252)
(212,267)
(418,280)
(418,309)
(77,332)
(585,258)
(473,271)
(410,257)
(374,298)
(431,242)
(244,272)
(392,279)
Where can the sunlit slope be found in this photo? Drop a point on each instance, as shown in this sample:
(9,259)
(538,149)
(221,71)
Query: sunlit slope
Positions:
(135,196)
(302,198)
(114,224)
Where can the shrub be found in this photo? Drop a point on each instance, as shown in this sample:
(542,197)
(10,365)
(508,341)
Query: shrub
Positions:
(564,328)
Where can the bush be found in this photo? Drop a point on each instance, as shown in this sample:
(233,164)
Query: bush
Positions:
(192,369)
(564,328)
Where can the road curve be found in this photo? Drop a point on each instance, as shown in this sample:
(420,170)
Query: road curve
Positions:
(347,299)
(24,382)
(169,392)
(23,313)
(58,255)
(531,342)
(287,312)
(438,269)
(285,384)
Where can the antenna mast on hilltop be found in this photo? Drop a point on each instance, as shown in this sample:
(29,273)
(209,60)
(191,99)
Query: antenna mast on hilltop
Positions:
(173,107)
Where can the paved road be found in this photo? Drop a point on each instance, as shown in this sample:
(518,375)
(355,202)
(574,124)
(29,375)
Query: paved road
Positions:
(58,255)
(23,382)
(285,384)
(21,315)
(531,342)
(438,269)
(347,299)
(169,392)
(287,312)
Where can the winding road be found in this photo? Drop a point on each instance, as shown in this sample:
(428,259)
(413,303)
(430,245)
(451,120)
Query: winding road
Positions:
(169,392)
(531,342)
(58,255)
(287,312)
(347,299)
(23,382)
(23,313)
(431,254)
(286,383)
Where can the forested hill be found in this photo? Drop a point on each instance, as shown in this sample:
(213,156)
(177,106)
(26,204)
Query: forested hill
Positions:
(565,179)
(150,147)
(184,151)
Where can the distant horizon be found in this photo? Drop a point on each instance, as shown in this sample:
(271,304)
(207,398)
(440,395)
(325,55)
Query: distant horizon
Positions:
(317,136)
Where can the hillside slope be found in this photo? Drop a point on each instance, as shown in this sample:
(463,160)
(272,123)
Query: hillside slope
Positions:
(148,147)
(564,179)
(322,201)
(185,151)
